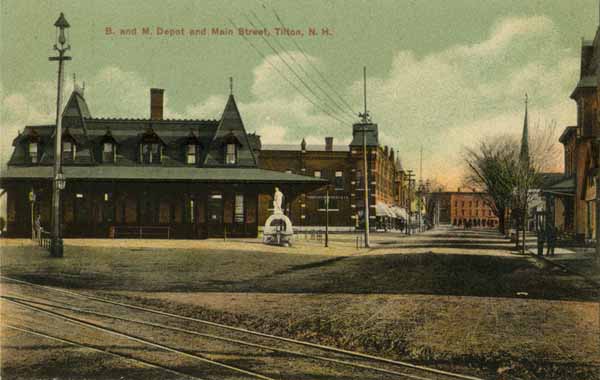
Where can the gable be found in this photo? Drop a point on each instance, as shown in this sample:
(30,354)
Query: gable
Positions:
(231,127)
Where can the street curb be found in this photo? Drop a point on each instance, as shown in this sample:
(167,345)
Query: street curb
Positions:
(588,279)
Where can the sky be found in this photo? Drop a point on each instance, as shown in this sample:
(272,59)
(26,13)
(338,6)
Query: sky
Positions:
(441,74)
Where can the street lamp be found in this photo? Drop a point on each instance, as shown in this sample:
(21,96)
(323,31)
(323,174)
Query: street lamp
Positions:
(32,198)
(596,153)
(61,46)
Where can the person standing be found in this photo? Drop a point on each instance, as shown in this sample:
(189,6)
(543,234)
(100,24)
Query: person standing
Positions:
(541,238)
(551,238)
(38,227)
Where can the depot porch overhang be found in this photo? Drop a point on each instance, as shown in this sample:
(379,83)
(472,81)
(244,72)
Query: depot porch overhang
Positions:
(239,175)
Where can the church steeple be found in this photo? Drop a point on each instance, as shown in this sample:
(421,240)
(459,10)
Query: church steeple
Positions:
(524,154)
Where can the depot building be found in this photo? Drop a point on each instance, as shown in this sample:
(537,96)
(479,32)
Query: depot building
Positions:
(142,178)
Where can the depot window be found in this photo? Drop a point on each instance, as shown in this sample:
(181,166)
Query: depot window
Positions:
(150,153)
(191,154)
(33,153)
(69,150)
(230,154)
(108,152)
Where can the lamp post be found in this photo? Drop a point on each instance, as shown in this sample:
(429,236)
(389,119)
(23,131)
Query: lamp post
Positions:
(61,46)
(32,197)
(327,217)
(596,151)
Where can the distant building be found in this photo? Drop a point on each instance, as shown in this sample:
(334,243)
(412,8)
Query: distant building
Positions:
(460,207)
(144,177)
(342,166)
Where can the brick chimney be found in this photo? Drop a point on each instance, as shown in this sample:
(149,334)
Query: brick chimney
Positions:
(156,103)
(328,144)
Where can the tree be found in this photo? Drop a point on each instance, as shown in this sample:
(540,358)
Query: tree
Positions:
(492,167)
(498,167)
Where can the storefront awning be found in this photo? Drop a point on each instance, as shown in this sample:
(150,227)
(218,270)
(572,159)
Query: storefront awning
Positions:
(381,209)
(565,187)
(400,212)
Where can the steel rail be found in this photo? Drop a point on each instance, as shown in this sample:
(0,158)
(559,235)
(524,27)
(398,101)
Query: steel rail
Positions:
(239,329)
(95,349)
(138,339)
(224,339)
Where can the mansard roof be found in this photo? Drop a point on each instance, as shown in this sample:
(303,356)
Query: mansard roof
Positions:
(89,132)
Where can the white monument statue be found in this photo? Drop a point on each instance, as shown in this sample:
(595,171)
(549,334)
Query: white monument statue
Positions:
(278,227)
(277,201)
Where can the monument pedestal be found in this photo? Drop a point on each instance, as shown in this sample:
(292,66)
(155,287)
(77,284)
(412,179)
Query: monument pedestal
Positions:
(278,230)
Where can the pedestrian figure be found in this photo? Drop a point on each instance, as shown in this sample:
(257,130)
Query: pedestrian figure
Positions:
(38,227)
(541,238)
(551,238)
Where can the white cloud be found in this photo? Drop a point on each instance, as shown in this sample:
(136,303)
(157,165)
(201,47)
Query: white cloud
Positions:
(444,100)
(455,97)
(505,32)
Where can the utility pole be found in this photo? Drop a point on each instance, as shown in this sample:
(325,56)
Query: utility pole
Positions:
(56,247)
(364,128)
(410,182)
(420,188)
(327,217)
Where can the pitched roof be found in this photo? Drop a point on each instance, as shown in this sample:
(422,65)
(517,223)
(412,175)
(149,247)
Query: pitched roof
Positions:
(566,133)
(564,187)
(549,179)
(588,81)
(230,125)
(77,106)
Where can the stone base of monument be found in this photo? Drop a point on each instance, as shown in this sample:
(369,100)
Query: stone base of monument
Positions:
(278,230)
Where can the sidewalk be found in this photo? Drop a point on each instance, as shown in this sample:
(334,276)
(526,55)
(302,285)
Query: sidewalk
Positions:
(580,261)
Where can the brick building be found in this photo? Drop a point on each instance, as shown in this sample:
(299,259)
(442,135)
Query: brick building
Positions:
(459,207)
(573,199)
(342,166)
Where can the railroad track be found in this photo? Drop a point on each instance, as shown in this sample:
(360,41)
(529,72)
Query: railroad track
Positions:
(286,349)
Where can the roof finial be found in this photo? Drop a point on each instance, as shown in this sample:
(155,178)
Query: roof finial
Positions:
(74,82)
(230,85)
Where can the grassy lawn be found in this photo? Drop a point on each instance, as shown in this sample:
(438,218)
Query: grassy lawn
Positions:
(433,308)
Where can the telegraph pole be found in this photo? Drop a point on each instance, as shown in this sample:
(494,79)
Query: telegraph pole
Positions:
(56,247)
(410,182)
(420,188)
(365,119)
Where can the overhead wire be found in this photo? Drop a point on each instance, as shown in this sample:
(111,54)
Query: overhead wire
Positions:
(260,53)
(301,67)
(314,67)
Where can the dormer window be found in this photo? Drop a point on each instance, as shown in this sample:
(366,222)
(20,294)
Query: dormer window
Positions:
(33,152)
(69,150)
(108,152)
(230,153)
(191,151)
(151,153)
